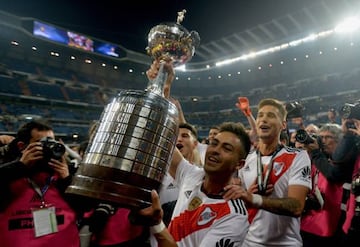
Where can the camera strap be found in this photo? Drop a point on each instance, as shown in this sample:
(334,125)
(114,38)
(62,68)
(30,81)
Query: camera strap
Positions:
(315,179)
(316,191)
(263,180)
(41,191)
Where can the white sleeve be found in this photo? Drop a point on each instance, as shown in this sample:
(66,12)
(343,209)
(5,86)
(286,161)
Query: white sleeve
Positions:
(301,170)
(182,170)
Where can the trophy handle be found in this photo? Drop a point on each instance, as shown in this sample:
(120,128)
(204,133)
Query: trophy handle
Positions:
(157,85)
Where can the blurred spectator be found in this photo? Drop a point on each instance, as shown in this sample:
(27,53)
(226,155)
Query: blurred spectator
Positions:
(332,115)
(6,139)
(201,147)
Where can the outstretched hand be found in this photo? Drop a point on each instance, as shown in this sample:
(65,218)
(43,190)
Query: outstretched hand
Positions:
(153,72)
(244,106)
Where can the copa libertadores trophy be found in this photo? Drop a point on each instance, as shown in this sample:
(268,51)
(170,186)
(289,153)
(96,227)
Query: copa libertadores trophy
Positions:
(133,144)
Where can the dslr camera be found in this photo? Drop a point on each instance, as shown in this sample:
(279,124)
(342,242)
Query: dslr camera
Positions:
(349,111)
(52,149)
(303,137)
(294,109)
(314,201)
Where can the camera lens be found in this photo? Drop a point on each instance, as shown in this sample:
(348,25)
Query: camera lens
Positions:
(346,110)
(57,150)
(303,137)
(52,149)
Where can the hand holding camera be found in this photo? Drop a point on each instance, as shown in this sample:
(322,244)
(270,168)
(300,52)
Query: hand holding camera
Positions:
(52,149)
(350,113)
(310,141)
(314,201)
(31,154)
(50,152)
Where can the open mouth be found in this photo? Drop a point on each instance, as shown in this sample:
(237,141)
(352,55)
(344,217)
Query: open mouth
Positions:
(179,146)
(212,159)
(264,128)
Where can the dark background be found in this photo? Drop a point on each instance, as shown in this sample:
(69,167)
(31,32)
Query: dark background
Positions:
(128,22)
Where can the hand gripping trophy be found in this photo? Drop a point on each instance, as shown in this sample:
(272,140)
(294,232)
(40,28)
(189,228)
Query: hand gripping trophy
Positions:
(133,144)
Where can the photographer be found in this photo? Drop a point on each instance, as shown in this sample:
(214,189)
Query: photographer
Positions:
(347,160)
(346,166)
(33,211)
(320,223)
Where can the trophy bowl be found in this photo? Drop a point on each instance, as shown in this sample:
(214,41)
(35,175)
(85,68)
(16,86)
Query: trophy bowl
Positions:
(172,41)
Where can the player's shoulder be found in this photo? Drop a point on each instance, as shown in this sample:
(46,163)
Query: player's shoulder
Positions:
(238,206)
(292,149)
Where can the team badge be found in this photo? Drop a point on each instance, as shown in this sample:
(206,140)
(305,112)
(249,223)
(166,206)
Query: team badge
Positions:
(195,203)
(278,166)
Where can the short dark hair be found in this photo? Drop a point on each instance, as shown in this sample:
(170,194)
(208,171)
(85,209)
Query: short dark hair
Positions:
(239,130)
(275,103)
(24,132)
(189,127)
(214,127)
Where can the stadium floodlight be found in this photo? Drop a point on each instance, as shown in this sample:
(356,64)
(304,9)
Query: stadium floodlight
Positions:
(181,68)
(350,24)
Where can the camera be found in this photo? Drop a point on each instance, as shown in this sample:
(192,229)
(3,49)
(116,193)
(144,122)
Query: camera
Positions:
(100,216)
(52,149)
(303,137)
(294,109)
(314,201)
(350,125)
(350,111)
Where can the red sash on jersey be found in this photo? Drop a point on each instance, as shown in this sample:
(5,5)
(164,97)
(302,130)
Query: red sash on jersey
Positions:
(191,221)
(285,160)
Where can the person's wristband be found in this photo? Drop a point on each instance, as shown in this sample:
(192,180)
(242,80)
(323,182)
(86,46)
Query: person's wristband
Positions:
(257,200)
(157,228)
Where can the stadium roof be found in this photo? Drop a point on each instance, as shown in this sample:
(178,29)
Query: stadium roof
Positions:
(227,27)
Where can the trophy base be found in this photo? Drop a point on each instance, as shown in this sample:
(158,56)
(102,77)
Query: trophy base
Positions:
(93,184)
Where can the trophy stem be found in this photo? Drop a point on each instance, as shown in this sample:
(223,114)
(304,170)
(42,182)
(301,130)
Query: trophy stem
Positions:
(157,85)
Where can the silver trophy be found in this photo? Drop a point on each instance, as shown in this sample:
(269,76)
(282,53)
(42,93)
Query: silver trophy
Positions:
(132,148)
(172,40)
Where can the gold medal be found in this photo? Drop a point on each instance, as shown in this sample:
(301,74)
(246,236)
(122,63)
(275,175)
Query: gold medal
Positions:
(195,203)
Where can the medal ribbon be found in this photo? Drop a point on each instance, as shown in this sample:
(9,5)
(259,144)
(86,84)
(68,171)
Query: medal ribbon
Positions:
(263,181)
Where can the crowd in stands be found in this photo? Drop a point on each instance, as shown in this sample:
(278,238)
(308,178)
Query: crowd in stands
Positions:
(252,183)
(203,113)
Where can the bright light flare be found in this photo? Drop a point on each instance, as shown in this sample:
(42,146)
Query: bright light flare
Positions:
(350,24)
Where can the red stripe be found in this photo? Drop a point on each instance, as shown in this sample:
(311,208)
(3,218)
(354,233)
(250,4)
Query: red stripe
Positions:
(187,222)
(286,160)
